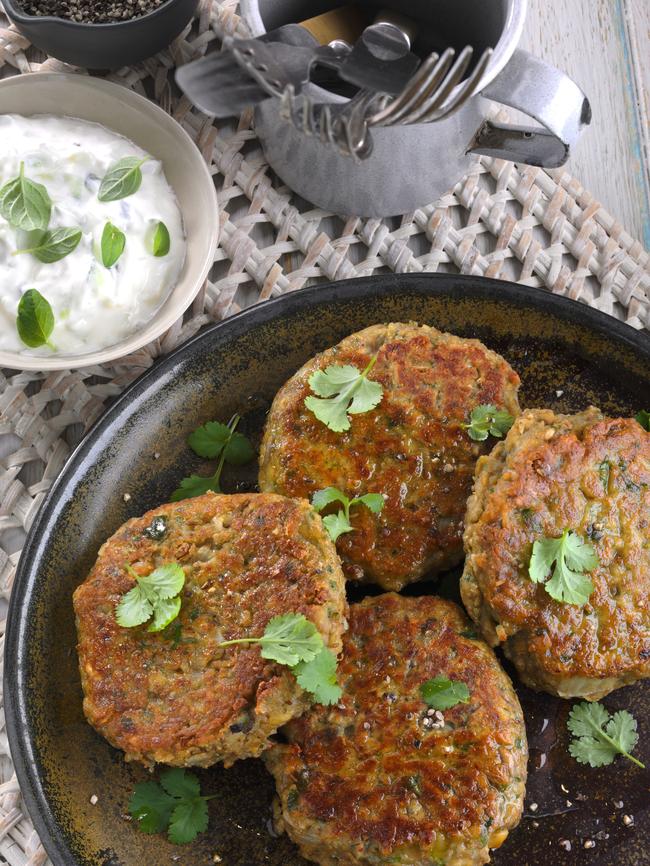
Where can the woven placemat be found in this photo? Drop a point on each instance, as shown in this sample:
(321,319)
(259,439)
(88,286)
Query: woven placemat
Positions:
(504,221)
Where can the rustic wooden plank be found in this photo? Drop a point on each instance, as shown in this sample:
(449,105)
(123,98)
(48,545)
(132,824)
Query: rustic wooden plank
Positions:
(591,41)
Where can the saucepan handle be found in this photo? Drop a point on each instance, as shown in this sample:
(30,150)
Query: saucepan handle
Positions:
(545,94)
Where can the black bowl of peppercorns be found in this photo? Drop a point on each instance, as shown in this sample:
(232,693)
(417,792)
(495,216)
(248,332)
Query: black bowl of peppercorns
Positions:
(100,34)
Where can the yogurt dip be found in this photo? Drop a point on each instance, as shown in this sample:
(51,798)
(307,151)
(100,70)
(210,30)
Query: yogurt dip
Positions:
(94,306)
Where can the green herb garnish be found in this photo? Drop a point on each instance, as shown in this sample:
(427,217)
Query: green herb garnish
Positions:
(604,470)
(155,594)
(174,805)
(214,440)
(25,204)
(52,246)
(122,179)
(35,320)
(644,419)
(488,420)
(292,640)
(566,559)
(599,737)
(112,244)
(160,241)
(443,694)
(337,524)
(344,391)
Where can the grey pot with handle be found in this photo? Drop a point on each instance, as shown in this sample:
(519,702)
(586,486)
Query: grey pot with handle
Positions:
(411,166)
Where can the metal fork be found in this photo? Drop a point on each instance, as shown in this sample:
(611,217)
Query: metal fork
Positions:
(428,97)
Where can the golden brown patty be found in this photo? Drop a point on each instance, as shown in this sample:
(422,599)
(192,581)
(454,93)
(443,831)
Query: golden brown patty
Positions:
(175,697)
(378,778)
(412,448)
(553,472)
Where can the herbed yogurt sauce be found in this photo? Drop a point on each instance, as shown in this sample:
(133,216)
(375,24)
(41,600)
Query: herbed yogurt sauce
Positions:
(93,306)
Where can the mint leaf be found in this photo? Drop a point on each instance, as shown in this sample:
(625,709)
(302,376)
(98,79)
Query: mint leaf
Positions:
(112,244)
(160,241)
(122,179)
(54,245)
(25,204)
(35,320)
(443,694)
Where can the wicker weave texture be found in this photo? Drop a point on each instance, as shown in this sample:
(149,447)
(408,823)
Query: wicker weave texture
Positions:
(501,220)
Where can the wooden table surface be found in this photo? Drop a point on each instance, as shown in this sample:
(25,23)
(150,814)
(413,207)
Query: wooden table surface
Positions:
(605,46)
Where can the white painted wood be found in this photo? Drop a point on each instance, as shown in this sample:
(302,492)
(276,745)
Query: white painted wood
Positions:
(604,45)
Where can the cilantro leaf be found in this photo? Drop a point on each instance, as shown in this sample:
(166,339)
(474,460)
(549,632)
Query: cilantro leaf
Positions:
(322,498)
(155,593)
(443,694)
(288,639)
(166,581)
(239,450)
(373,501)
(342,391)
(599,737)
(213,440)
(151,807)
(209,440)
(134,608)
(336,525)
(292,640)
(165,611)
(318,677)
(339,523)
(579,554)
(180,783)
(644,419)
(488,420)
(175,805)
(188,819)
(194,485)
(566,558)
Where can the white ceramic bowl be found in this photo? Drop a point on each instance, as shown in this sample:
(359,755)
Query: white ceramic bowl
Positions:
(142,121)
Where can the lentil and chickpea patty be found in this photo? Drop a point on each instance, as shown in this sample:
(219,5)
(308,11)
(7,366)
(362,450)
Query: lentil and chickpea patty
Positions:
(175,697)
(380,778)
(589,474)
(412,447)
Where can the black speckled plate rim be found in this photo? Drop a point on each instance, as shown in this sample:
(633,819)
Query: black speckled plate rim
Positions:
(453,286)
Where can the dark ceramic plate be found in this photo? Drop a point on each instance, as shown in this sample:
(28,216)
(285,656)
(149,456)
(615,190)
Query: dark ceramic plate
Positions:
(568,356)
